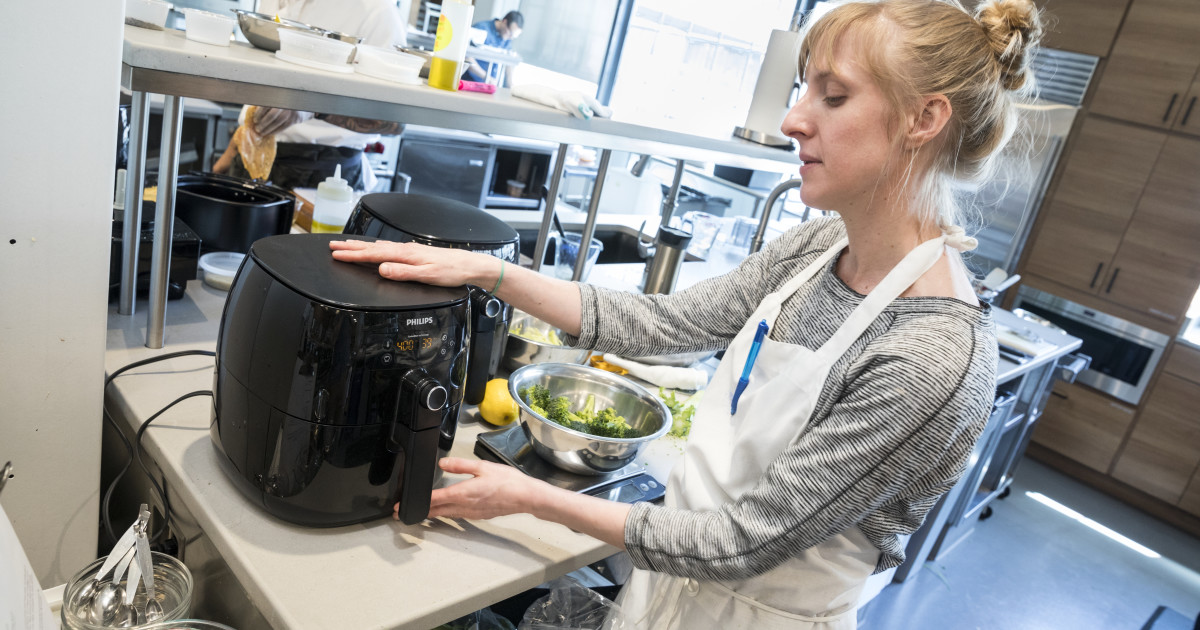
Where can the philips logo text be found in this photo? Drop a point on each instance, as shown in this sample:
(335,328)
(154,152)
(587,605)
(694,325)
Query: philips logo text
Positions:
(418,322)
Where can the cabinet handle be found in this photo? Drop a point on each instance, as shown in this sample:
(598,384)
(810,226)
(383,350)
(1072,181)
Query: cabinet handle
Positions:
(1062,396)
(1188,113)
(1096,276)
(1111,280)
(1170,106)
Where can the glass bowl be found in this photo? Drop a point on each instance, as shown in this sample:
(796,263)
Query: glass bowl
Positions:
(172,583)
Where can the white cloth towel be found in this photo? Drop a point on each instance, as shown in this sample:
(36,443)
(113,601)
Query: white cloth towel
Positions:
(577,104)
(662,375)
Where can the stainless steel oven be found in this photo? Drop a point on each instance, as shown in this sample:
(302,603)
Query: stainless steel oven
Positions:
(1123,354)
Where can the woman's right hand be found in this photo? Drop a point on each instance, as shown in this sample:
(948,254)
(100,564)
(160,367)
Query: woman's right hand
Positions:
(414,262)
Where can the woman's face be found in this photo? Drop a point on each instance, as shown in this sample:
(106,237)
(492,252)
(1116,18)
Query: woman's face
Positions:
(841,125)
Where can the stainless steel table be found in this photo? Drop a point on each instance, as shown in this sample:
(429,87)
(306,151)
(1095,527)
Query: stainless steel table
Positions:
(165,62)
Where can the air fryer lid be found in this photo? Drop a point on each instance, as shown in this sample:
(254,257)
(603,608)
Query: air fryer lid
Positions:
(438,219)
(304,263)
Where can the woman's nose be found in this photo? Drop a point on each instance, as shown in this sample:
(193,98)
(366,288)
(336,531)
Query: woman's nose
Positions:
(797,123)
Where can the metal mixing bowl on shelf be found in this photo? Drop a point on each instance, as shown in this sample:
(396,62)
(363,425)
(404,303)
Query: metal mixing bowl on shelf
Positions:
(520,351)
(583,453)
(262,31)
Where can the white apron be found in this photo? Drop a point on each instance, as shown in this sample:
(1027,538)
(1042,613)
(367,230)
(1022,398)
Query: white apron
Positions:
(727,454)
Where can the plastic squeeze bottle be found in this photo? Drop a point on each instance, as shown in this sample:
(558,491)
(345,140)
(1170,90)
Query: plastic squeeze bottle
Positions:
(450,44)
(333,205)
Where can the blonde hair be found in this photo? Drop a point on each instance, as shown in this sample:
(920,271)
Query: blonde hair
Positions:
(915,48)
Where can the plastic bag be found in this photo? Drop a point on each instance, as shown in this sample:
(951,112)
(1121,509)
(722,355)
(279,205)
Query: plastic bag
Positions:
(257,152)
(572,606)
(483,619)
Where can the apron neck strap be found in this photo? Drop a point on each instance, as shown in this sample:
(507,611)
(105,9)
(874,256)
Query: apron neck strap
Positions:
(769,308)
(898,280)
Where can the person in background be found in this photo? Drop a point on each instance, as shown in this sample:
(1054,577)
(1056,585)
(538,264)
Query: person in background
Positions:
(309,147)
(878,372)
(500,34)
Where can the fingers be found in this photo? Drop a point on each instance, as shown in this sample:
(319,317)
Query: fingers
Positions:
(461,466)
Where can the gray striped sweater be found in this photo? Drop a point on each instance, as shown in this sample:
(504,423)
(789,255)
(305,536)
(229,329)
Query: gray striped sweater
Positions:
(891,431)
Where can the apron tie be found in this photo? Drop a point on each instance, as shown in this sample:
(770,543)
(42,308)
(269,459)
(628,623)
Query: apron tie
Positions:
(957,238)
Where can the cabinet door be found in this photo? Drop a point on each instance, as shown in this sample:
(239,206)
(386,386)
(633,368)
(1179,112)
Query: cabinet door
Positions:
(1086,26)
(1190,501)
(1189,114)
(1103,178)
(1152,63)
(1164,448)
(1083,424)
(1157,268)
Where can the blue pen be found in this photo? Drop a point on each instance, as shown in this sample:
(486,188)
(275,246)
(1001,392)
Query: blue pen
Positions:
(745,380)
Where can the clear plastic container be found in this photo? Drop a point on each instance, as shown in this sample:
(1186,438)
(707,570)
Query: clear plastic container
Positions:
(314,48)
(220,268)
(172,585)
(147,13)
(207,27)
(389,65)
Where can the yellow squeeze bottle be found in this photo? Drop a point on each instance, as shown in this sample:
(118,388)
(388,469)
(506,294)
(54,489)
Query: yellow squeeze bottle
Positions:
(450,44)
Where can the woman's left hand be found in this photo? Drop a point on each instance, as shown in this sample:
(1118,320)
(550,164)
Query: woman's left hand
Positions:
(495,490)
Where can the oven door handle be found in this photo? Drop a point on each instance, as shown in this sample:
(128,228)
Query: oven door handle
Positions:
(1071,365)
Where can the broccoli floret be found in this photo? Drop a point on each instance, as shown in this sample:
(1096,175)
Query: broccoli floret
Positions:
(681,412)
(536,396)
(587,412)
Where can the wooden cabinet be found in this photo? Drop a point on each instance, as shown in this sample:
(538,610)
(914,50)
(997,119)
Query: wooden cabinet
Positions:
(1085,26)
(1164,448)
(1084,425)
(1152,64)
(1157,267)
(1162,456)
(1190,501)
(1124,223)
(1188,120)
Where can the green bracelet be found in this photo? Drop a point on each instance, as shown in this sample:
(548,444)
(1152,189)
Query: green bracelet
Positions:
(500,279)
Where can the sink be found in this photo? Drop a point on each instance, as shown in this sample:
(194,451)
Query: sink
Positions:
(620,244)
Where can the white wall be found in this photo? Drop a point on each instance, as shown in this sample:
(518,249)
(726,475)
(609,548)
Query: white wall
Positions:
(58,120)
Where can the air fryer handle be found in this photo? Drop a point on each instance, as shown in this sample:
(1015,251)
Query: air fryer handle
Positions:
(420,455)
(485,311)
(416,427)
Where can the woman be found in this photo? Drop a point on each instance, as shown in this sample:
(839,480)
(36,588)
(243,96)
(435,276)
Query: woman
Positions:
(878,372)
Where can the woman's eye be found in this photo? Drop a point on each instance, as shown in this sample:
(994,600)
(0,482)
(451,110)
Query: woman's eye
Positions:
(834,101)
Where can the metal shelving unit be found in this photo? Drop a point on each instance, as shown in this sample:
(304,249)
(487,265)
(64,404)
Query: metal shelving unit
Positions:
(164,62)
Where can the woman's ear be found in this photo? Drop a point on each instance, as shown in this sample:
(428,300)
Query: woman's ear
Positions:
(928,121)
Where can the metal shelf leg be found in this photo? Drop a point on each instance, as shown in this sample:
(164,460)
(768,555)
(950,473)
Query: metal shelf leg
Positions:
(164,220)
(134,183)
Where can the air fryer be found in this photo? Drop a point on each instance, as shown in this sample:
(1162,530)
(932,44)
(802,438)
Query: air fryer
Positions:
(336,390)
(448,223)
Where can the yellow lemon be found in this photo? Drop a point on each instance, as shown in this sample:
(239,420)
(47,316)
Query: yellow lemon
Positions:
(498,407)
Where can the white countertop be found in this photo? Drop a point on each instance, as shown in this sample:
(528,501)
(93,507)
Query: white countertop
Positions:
(168,63)
(381,574)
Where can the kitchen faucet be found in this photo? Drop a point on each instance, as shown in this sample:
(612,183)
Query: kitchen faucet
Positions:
(760,234)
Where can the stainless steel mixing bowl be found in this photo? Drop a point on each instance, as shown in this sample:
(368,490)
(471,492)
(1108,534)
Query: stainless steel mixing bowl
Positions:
(262,31)
(578,452)
(520,351)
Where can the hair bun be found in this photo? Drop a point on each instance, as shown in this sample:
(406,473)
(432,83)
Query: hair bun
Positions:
(1013,28)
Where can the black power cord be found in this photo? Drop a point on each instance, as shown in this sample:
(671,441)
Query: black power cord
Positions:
(134,449)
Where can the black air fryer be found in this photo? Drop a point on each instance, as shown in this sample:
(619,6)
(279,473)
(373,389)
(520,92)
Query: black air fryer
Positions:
(336,390)
(448,223)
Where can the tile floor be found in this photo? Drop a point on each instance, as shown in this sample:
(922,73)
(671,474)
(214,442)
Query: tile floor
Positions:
(1028,567)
